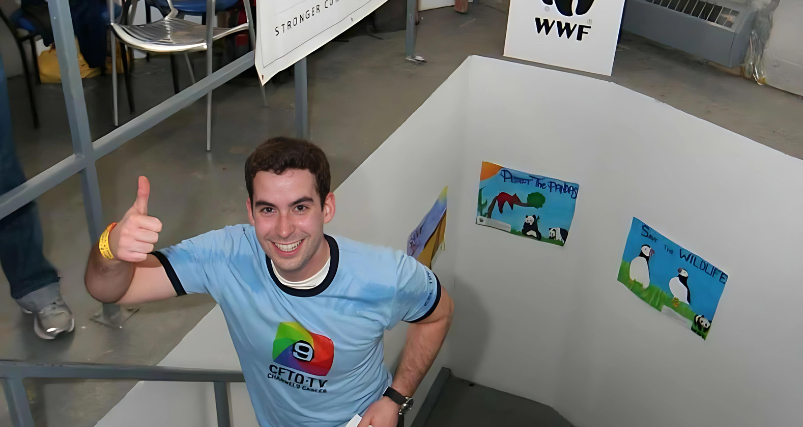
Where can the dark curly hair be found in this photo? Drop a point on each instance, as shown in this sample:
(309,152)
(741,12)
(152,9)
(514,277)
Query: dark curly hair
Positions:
(279,154)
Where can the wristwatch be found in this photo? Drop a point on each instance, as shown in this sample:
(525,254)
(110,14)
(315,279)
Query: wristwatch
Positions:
(405,402)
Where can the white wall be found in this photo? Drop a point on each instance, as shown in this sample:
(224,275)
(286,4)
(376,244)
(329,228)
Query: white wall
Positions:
(783,58)
(555,325)
(512,294)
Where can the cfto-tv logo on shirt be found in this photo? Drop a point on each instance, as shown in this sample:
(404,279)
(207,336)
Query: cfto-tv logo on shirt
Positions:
(297,348)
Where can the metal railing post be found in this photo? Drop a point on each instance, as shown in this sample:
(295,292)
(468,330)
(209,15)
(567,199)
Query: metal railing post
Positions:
(12,372)
(210,14)
(77,117)
(222,404)
(18,406)
(409,36)
(67,54)
(302,106)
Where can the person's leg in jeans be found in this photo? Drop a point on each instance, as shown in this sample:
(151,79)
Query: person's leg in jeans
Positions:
(34,282)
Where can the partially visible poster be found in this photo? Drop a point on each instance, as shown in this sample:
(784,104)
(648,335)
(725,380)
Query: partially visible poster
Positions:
(534,206)
(428,237)
(289,30)
(671,279)
(578,34)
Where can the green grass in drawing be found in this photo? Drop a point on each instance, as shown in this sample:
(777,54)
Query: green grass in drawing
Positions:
(543,239)
(657,298)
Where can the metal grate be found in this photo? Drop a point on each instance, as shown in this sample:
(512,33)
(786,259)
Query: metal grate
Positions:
(710,12)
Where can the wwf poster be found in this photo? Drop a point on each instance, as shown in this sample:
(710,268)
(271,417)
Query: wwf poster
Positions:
(428,238)
(675,281)
(532,206)
(577,34)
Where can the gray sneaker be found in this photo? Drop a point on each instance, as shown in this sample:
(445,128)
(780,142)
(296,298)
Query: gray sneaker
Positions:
(51,314)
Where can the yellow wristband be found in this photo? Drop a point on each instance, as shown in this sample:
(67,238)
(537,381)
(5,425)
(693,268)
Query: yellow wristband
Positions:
(105,250)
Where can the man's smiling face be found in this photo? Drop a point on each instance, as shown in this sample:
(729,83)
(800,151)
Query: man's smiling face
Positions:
(288,217)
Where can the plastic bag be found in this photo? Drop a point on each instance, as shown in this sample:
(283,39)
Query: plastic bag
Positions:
(754,59)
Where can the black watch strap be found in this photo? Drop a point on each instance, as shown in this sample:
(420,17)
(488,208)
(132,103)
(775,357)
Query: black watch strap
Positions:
(395,396)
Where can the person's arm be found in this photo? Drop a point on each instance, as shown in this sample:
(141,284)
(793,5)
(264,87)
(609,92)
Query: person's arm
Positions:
(133,276)
(424,340)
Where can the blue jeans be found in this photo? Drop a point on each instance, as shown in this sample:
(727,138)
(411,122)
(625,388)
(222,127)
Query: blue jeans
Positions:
(21,254)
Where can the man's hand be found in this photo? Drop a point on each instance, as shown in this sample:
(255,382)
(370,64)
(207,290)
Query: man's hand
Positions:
(134,236)
(382,413)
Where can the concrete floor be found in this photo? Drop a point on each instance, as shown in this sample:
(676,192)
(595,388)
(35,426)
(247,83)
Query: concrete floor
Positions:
(463,403)
(360,91)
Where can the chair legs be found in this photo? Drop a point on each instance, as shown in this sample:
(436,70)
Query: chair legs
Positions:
(174,71)
(127,77)
(35,60)
(147,21)
(28,83)
(189,67)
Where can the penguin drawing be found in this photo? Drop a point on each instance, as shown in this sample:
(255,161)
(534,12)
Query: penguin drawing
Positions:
(680,287)
(639,267)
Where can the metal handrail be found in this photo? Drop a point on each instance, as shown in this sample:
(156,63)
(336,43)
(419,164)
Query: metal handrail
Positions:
(12,372)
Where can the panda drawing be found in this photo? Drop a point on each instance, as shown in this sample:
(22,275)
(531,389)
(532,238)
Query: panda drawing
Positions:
(559,234)
(530,227)
(702,322)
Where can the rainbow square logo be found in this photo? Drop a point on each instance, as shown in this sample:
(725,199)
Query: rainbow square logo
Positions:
(297,348)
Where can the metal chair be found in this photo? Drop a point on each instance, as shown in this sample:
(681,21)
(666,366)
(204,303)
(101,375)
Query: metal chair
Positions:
(190,8)
(173,34)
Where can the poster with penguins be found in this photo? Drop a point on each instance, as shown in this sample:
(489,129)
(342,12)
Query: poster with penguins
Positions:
(673,280)
(532,206)
(576,34)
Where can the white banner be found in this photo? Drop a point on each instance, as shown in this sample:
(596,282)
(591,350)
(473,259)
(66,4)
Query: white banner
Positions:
(578,34)
(289,30)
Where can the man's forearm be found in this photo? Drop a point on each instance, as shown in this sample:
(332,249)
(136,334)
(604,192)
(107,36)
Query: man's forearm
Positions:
(107,280)
(423,343)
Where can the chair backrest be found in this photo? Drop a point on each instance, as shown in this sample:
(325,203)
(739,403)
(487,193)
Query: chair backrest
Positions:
(192,7)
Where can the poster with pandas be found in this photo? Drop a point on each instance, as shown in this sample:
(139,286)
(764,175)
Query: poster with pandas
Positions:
(532,206)
(675,281)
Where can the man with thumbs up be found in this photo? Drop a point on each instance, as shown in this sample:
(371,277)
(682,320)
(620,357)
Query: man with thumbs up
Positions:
(306,311)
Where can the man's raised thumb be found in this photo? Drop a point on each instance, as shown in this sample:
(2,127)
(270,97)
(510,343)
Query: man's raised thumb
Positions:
(143,191)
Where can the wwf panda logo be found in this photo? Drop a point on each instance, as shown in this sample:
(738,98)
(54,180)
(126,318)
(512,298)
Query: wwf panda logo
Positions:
(565,6)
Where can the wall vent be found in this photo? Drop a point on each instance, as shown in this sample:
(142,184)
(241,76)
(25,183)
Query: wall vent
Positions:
(717,30)
(706,11)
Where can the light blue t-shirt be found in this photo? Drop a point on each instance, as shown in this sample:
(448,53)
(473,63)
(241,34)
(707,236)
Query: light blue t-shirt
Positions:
(310,357)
